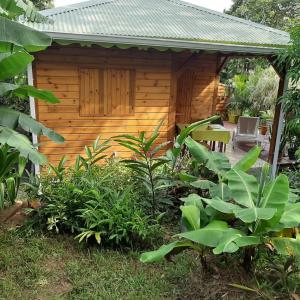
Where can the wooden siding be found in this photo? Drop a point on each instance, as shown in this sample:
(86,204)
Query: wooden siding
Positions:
(203,86)
(150,80)
(58,69)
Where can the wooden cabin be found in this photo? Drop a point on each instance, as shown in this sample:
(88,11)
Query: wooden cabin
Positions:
(121,66)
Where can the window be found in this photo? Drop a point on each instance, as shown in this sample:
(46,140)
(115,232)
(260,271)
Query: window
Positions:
(108,92)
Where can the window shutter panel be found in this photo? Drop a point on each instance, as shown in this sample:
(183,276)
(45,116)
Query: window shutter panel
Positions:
(119,91)
(91,92)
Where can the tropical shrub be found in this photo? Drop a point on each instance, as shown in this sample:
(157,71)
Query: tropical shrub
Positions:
(99,203)
(238,213)
(149,167)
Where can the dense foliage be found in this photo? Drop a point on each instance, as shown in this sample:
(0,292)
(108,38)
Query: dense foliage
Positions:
(273,13)
(255,93)
(16,41)
(237,212)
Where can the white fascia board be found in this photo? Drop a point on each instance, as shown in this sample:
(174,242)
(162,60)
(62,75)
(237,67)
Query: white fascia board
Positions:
(168,43)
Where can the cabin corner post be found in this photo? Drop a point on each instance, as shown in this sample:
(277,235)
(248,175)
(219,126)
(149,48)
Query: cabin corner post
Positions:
(278,126)
(172,102)
(32,111)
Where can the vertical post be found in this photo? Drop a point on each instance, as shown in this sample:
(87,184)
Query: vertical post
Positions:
(172,101)
(277,129)
(32,112)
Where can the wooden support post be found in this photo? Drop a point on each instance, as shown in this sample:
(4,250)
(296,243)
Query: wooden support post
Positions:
(277,129)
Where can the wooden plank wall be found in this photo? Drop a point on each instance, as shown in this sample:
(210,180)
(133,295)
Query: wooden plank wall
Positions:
(57,69)
(204,86)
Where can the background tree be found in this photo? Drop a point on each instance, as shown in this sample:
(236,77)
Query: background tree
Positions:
(273,13)
(42,4)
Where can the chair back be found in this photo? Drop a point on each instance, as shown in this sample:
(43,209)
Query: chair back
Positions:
(248,126)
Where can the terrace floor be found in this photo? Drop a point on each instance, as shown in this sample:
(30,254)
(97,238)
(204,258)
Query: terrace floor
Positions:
(236,154)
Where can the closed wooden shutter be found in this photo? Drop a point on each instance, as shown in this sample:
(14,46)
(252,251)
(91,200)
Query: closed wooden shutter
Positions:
(119,87)
(109,92)
(91,92)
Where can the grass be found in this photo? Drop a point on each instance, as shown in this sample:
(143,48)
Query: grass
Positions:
(57,267)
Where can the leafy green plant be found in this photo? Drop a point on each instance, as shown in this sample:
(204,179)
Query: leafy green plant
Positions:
(114,218)
(12,166)
(147,163)
(93,154)
(240,212)
(94,202)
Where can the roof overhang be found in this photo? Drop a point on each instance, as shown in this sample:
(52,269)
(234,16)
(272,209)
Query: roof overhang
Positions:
(164,43)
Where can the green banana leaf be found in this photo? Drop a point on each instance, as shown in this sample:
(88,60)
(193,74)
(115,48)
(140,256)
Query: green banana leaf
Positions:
(248,160)
(165,250)
(15,34)
(191,216)
(291,216)
(22,144)
(233,240)
(180,139)
(250,215)
(221,191)
(244,187)
(15,8)
(275,195)
(209,235)
(221,206)
(13,119)
(214,161)
(24,91)
(11,64)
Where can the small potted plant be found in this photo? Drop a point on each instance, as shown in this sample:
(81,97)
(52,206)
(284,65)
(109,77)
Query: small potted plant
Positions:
(265,116)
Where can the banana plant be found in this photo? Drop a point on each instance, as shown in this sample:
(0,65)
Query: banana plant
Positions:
(17,41)
(12,167)
(259,210)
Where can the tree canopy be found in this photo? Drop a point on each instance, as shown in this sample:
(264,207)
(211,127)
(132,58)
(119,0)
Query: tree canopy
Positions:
(42,4)
(274,13)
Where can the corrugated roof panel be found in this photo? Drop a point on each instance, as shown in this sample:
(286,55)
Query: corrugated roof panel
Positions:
(163,19)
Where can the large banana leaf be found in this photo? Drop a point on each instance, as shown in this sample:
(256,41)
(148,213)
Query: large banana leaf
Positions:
(15,8)
(14,33)
(11,64)
(44,95)
(166,250)
(233,240)
(244,187)
(221,191)
(216,162)
(275,195)
(191,216)
(209,235)
(291,215)
(180,139)
(13,119)
(24,91)
(22,144)
(248,160)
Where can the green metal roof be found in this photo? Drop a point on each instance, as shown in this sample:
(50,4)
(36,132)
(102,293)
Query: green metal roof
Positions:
(159,23)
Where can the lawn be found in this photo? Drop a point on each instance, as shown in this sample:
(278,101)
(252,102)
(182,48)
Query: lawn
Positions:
(57,267)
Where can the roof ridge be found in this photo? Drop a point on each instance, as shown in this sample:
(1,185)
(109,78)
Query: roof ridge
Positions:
(73,7)
(226,16)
